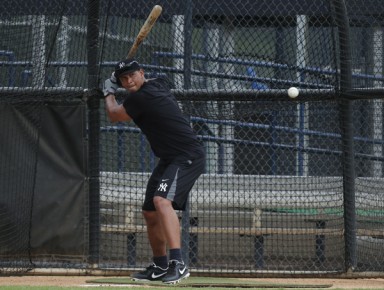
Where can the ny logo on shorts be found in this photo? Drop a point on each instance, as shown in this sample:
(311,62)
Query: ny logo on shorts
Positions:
(163,187)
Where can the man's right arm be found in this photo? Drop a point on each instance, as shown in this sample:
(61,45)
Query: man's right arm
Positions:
(116,112)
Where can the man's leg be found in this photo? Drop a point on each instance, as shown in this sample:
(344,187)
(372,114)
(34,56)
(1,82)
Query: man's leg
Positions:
(171,227)
(158,243)
(169,221)
(155,231)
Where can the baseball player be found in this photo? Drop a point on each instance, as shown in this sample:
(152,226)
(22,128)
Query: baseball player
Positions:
(153,108)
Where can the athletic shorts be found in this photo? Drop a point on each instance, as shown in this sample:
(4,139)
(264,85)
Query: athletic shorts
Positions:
(173,180)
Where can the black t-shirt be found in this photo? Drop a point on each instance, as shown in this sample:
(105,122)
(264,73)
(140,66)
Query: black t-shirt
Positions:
(155,111)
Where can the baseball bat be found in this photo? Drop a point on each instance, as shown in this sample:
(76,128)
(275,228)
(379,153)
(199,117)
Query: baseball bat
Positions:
(145,29)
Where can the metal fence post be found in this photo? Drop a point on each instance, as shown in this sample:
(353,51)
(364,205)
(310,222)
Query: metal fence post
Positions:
(94,131)
(346,111)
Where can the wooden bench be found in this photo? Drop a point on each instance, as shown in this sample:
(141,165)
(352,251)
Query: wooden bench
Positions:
(308,197)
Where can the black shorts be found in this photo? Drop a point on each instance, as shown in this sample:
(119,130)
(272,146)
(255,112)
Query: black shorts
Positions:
(173,181)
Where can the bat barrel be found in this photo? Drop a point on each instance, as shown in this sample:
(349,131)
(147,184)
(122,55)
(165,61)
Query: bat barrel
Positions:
(145,29)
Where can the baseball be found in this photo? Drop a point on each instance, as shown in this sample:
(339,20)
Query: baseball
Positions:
(293,92)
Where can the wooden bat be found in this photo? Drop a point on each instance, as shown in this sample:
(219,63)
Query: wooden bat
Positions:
(145,29)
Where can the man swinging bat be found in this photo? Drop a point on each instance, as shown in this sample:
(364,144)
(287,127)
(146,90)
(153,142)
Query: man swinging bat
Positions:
(151,105)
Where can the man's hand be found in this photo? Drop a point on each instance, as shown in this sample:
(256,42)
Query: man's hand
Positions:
(110,86)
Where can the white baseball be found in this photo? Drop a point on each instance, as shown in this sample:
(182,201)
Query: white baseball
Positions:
(293,92)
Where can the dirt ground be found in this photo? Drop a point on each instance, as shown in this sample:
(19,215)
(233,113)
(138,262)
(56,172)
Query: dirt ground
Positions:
(372,283)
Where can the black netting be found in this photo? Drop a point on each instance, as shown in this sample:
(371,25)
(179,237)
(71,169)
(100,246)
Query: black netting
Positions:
(20,121)
(291,186)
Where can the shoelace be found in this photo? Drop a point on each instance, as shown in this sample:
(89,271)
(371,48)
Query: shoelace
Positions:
(153,265)
(174,263)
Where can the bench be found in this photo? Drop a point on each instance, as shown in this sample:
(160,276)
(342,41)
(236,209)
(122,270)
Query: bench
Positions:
(315,199)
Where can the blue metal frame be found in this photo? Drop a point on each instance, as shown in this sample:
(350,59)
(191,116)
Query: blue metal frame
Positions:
(272,144)
(11,63)
(11,69)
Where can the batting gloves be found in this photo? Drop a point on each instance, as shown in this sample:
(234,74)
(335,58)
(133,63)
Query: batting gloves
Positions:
(110,86)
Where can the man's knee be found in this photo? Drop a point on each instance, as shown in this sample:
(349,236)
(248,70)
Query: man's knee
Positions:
(161,203)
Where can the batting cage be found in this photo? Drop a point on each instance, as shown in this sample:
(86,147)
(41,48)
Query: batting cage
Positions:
(293,182)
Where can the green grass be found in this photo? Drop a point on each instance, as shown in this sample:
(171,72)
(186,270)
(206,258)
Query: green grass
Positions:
(213,283)
(151,288)
(101,288)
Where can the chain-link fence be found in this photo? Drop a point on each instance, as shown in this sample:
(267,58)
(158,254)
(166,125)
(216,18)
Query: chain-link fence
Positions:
(291,186)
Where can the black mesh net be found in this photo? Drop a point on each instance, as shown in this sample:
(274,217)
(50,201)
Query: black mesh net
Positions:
(293,185)
(18,159)
(39,66)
